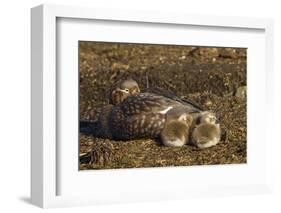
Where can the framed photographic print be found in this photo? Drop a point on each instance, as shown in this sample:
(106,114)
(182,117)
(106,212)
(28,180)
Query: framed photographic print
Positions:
(130,106)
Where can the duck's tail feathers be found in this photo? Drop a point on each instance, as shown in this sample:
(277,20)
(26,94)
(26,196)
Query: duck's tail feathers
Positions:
(88,127)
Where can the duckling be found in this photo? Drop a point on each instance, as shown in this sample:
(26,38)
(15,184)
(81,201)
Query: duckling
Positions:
(207,117)
(207,133)
(176,129)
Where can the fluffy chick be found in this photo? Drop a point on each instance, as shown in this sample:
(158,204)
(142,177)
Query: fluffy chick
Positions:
(176,129)
(207,133)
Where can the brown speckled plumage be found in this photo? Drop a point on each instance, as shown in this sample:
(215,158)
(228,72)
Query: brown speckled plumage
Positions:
(141,116)
(134,115)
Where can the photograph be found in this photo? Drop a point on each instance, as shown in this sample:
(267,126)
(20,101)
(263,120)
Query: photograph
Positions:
(161,105)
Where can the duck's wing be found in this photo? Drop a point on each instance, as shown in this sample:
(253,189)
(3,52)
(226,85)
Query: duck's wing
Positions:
(173,96)
(146,103)
(142,116)
(147,125)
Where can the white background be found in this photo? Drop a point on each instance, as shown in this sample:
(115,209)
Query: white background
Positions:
(151,183)
(15,104)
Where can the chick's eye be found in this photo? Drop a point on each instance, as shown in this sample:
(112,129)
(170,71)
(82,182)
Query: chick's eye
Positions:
(127,90)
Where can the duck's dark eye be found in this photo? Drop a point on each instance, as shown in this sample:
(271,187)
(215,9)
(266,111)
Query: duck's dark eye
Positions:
(126,90)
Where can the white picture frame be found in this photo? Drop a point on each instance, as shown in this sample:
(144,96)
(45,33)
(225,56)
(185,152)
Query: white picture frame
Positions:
(45,167)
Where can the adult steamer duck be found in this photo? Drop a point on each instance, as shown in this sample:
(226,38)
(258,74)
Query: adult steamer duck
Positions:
(135,115)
